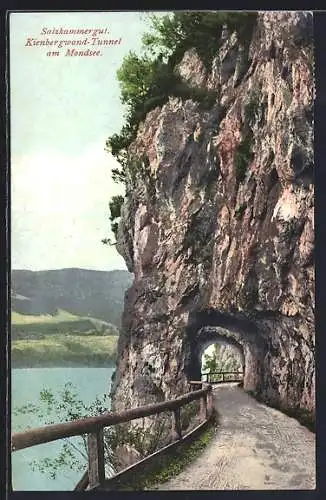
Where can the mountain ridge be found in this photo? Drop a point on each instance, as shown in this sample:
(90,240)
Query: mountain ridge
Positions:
(97,293)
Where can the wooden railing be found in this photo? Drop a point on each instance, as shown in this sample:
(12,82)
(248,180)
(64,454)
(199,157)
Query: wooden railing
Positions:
(218,377)
(93,427)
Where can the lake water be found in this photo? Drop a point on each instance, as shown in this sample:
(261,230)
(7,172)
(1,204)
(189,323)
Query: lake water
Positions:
(26,385)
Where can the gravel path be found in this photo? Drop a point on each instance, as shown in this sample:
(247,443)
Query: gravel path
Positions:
(255,448)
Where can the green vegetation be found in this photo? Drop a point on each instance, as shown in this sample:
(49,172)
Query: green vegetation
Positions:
(169,466)
(115,212)
(29,326)
(240,211)
(176,33)
(67,406)
(148,80)
(63,350)
(61,339)
(216,362)
(198,236)
(189,414)
(244,155)
(144,441)
(252,107)
(26,319)
(41,330)
(90,295)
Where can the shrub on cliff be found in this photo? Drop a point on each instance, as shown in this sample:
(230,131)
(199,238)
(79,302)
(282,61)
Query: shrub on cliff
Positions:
(243,156)
(218,361)
(115,212)
(174,35)
(66,406)
(148,80)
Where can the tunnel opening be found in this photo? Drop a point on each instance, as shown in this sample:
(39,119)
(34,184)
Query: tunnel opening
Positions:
(221,361)
(238,332)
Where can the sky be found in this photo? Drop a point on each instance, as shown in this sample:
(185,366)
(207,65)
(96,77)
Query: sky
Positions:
(62,110)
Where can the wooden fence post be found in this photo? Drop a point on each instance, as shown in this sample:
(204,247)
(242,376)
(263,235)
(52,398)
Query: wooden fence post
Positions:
(176,426)
(96,470)
(203,407)
(209,407)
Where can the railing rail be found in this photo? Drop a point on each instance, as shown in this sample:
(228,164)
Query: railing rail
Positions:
(223,376)
(93,426)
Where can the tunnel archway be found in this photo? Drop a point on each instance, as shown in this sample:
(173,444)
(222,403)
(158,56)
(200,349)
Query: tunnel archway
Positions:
(208,326)
(208,337)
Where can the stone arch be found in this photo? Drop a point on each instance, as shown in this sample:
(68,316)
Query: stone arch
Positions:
(207,336)
(238,330)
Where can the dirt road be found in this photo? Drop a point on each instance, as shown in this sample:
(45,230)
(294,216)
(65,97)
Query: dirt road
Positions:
(255,448)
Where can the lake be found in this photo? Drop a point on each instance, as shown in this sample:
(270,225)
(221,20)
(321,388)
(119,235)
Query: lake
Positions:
(26,384)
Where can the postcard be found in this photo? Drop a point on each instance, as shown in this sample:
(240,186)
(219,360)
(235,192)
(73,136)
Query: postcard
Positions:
(162,250)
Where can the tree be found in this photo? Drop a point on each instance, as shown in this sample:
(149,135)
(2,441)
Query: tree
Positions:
(115,206)
(175,34)
(147,81)
(210,363)
(66,406)
(115,212)
(221,361)
(136,76)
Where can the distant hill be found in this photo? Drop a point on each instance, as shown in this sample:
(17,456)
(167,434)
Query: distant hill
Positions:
(28,326)
(81,292)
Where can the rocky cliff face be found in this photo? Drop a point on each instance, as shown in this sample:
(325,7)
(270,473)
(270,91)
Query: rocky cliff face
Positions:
(218,225)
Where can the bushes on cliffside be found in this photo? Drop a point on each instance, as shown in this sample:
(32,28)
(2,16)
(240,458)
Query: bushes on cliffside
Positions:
(115,212)
(148,80)
(176,34)
(243,156)
(221,361)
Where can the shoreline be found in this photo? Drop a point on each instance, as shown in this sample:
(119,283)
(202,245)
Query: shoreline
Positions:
(15,366)
(64,350)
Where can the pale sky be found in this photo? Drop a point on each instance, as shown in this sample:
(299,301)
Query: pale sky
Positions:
(62,111)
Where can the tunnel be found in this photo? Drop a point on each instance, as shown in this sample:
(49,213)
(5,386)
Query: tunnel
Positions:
(209,336)
(212,326)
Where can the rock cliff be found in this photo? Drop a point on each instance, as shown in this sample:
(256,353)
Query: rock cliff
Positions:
(218,224)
